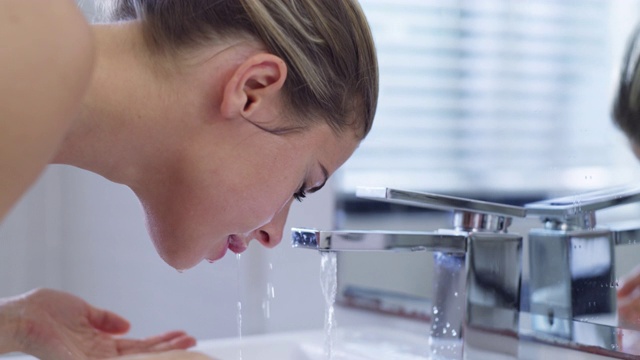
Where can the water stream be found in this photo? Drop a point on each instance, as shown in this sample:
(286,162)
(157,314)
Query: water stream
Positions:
(329,283)
(270,295)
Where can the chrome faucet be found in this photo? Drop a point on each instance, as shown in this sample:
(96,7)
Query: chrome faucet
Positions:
(572,276)
(478,265)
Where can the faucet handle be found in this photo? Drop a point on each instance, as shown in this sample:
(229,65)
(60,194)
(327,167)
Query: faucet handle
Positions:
(571,206)
(625,232)
(439,202)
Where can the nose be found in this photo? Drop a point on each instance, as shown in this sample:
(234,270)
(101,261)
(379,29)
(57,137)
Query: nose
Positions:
(270,234)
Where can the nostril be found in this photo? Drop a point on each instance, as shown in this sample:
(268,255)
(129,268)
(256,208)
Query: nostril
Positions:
(268,236)
(264,238)
(268,239)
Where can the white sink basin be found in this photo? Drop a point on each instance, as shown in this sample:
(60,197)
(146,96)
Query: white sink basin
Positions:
(362,343)
(375,343)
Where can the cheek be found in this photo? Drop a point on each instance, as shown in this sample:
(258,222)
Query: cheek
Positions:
(263,189)
(263,200)
(183,225)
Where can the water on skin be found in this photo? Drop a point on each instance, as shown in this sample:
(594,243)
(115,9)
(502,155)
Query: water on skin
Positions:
(329,283)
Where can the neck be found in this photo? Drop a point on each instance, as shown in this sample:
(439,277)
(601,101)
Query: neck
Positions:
(104,136)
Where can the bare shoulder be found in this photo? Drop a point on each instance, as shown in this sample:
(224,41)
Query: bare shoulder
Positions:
(45,67)
(40,38)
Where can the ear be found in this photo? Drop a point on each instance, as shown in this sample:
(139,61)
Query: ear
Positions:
(256,82)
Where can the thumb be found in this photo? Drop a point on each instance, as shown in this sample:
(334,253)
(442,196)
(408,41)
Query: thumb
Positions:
(107,321)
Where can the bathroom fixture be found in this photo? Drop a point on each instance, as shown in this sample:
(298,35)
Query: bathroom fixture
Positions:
(572,273)
(478,266)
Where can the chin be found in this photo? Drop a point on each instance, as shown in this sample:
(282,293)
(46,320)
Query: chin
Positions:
(178,261)
(175,253)
(177,257)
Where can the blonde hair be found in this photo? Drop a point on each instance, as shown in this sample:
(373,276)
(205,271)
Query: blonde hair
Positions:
(327,45)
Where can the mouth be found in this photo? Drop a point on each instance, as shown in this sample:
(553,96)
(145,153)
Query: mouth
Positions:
(236,244)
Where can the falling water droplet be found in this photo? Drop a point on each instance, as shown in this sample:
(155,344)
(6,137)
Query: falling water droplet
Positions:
(239,319)
(269,295)
(266,302)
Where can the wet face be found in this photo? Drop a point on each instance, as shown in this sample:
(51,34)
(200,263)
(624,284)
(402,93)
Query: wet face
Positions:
(236,183)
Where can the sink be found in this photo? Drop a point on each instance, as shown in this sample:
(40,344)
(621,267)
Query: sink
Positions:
(376,343)
(359,343)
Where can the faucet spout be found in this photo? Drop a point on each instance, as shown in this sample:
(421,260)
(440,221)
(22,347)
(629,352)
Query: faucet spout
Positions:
(369,240)
(477,263)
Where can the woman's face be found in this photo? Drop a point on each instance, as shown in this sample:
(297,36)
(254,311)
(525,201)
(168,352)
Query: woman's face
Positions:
(235,183)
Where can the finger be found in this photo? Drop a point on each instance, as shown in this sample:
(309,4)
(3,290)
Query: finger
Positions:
(630,283)
(629,311)
(190,355)
(164,338)
(166,341)
(169,355)
(107,321)
(628,286)
(179,343)
(624,311)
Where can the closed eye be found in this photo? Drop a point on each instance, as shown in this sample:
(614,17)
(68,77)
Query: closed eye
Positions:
(300,194)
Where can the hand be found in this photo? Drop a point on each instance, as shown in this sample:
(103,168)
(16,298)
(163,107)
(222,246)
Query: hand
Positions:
(57,325)
(629,300)
(169,355)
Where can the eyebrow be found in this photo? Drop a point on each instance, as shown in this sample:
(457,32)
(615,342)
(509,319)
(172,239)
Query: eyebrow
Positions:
(326,177)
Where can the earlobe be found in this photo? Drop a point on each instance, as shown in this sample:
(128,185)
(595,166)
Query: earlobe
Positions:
(256,81)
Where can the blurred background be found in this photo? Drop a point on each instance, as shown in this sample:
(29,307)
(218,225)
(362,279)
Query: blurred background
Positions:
(500,100)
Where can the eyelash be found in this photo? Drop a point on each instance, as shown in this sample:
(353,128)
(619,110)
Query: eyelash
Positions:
(300,194)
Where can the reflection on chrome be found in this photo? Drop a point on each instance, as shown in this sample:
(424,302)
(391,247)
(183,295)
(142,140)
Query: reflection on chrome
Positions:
(478,271)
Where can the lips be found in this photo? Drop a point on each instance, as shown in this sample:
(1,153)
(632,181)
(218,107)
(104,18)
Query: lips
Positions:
(236,244)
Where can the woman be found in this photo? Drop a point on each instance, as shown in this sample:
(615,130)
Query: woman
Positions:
(217,114)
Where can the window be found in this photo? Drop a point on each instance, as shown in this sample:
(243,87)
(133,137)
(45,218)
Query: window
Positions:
(508,97)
